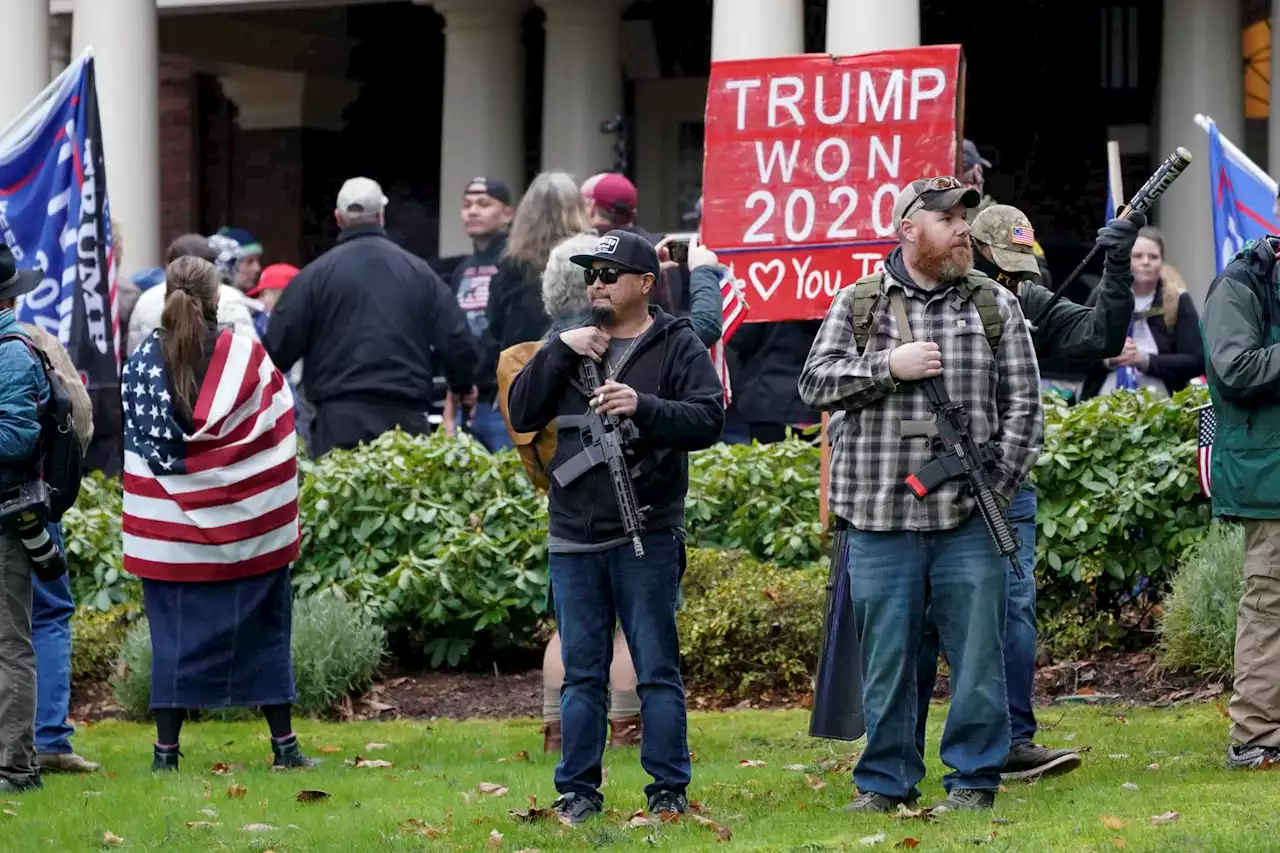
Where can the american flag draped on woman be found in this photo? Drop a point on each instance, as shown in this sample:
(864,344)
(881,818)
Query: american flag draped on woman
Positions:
(211,515)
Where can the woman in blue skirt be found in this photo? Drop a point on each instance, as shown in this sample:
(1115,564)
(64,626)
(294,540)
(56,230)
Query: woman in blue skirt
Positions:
(211,515)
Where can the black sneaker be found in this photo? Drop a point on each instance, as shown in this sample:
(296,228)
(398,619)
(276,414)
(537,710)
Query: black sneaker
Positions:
(1244,757)
(668,805)
(1032,761)
(869,801)
(28,784)
(573,809)
(165,758)
(966,800)
(288,756)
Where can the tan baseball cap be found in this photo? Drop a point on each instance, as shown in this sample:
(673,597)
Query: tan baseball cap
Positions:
(940,193)
(361,195)
(1008,232)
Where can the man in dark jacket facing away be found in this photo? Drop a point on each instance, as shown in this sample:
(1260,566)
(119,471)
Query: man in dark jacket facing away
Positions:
(1242,347)
(1004,249)
(368,319)
(659,375)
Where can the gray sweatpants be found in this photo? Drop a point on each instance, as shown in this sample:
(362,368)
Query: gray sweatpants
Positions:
(17,664)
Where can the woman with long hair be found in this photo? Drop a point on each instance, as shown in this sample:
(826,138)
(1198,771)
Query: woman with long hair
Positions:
(211,515)
(551,211)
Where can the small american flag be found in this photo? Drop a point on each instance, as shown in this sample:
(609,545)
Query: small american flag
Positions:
(734,310)
(1021,235)
(1208,429)
(221,502)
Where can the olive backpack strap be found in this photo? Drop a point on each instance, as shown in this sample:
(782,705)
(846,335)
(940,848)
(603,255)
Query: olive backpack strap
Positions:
(1169,304)
(981,291)
(866,293)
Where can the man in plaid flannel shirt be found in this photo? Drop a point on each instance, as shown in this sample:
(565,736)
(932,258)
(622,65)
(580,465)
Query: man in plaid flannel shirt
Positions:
(906,556)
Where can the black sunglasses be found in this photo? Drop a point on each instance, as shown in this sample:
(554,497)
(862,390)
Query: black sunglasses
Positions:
(607,275)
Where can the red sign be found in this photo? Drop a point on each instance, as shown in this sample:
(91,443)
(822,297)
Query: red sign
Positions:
(805,156)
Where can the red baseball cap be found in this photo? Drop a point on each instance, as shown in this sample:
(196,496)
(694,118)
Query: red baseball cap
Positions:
(274,277)
(614,193)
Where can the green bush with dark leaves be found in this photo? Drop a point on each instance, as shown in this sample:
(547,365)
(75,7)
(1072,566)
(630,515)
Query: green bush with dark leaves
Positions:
(95,549)
(96,636)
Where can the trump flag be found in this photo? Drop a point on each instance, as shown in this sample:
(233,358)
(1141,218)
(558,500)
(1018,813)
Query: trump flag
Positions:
(1244,196)
(55,217)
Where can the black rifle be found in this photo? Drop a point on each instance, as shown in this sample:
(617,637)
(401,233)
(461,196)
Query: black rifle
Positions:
(837,689)
(604,438)
(957,455)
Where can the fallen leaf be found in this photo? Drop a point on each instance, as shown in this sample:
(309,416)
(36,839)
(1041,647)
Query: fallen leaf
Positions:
(522,755)
(529,850)
(311,796)
(908,843)
(1118,756)
(258,827)
(796,768)
(1113,822)
(814,782)
(202,824)
(1222,710)
(872,840)
(905,813)
(1119,843)
(371,747)
(110,837)
(1002,821)
(1129,786)
(372,762)
(489,789)
(10,812)
(235,792)
(1162,819)
(772,594)
(329,750)
(91,793)
(221,769)
(1086,691)
(750,763)
(209,812)
(640,819)
(723,833)
(1153,766)
(495,840)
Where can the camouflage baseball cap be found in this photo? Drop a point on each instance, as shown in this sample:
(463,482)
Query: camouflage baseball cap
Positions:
(941,193)
(1008,232)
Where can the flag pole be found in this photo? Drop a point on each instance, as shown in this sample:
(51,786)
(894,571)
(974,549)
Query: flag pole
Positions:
(45,94)
(1116,176)
(824,476)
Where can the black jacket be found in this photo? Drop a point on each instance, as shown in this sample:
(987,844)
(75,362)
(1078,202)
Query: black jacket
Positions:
(765,374)
(1180,356)
(369,319)
(471,282)
(680,409)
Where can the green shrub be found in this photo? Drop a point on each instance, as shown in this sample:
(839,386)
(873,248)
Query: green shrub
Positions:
(96,636)
(335,646)
(95,548)
(1119,498)
(753,627)
(1198,628)
(336,650)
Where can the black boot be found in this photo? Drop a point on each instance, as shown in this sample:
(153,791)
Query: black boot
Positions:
(288,755)
(165,758)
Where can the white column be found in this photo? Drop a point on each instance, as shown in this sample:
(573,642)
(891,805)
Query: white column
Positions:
(582,85)
(1200,72)
(122,34)
(864,26)
(26,55)
(753,29)
(483,105)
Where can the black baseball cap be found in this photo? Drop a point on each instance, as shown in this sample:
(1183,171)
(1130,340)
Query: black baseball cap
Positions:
(13,281)
(624,250)
(492,187)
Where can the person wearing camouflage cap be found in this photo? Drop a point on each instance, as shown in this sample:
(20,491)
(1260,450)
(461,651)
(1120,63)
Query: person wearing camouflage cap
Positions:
(1003,242)
(975,177)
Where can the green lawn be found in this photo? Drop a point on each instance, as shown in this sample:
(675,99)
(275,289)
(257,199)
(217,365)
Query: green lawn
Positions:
(438,766)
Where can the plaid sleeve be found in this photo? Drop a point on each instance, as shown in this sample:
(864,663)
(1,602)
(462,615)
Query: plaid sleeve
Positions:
(835,376)
(1018,403)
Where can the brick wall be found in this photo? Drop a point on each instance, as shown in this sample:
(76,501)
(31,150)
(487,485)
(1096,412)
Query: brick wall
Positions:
(178,183)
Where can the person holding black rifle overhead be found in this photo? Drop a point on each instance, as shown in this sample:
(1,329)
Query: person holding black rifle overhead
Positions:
(1004,249)
(928,349)
(632,393)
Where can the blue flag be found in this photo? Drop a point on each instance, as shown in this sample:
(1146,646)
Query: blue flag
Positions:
(1244,196)
(55,217)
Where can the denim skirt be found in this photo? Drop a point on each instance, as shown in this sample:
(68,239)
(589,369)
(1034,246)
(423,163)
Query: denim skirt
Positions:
(219,644)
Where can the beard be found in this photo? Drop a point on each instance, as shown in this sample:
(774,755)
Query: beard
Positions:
(601,315)
(943,261)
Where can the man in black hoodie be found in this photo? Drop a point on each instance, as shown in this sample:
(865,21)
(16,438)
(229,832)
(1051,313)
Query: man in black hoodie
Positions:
(658,375)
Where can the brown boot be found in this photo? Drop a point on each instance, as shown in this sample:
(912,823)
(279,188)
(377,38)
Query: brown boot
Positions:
(551,736)
(626,732)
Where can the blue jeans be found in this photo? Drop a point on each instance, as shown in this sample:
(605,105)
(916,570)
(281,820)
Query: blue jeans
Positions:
(592,592)
(1019,632)
(51,612)
(896,578)
(488,427)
